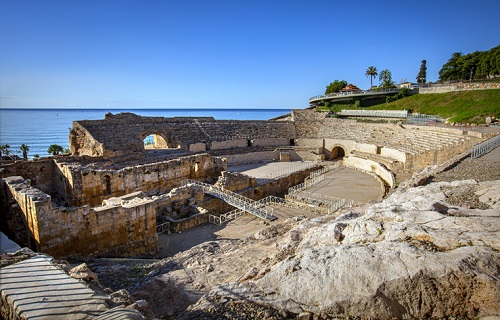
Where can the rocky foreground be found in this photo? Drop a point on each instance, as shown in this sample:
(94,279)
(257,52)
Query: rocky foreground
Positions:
(414,255)
(424,252)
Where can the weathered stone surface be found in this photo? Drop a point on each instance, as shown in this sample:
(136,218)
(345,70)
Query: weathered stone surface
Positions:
(83,272)
(235,181)
(46,292)
(401,259)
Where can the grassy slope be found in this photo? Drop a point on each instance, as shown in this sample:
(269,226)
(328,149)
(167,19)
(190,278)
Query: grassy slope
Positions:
(460,106)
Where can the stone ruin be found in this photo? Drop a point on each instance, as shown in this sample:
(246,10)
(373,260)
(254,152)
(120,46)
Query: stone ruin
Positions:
(109,196)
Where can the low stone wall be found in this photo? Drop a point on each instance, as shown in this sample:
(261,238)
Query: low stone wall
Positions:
(441,89)
(393,154)
(461,86)
(228,144)
(252,157)
(187,223)
(270,142)
(371,166)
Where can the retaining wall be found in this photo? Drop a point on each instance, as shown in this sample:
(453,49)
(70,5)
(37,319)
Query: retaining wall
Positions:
(371,166)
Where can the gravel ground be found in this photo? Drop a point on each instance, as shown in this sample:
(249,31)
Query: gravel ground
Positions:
(485,168)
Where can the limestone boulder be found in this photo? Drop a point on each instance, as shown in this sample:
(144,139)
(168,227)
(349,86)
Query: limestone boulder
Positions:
(489,193)
(83,272)
(413,255)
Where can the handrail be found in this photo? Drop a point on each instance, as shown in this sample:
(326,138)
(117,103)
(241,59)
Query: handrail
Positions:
(161,228)
(361,92)
(285,172)
(234,199)
(484,147)
(375,113)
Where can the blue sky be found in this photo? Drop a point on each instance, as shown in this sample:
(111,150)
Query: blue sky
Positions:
(223,54)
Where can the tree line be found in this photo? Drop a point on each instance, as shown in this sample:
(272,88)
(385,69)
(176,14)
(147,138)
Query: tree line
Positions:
(477,65)
(53,149)
(384,77)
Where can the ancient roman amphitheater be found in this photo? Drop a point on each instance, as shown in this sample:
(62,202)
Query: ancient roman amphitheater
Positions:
(301,246)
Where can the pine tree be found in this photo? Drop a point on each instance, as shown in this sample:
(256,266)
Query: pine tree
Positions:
(422,74)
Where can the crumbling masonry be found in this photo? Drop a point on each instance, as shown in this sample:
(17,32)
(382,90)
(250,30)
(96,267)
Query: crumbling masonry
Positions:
(109,196)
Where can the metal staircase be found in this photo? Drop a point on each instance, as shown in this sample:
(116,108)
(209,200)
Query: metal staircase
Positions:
(256,208)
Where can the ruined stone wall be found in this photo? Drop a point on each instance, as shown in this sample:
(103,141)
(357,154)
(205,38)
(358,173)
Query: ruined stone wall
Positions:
(308,122)
(414,146)
(59,231)
(40,172)
(124,226)
(91,186)
(124,133)
(188,223)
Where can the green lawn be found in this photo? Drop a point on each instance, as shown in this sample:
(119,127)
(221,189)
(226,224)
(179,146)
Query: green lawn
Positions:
(461,106)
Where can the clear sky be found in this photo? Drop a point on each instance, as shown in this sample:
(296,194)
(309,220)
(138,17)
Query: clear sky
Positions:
(223,54)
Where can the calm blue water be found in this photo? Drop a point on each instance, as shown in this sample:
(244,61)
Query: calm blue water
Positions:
(39,128)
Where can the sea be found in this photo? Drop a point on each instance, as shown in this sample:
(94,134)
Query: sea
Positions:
(39,128)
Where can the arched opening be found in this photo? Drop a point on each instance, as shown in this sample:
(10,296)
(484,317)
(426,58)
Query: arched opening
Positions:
(157,141)
(337,152)
(107,185)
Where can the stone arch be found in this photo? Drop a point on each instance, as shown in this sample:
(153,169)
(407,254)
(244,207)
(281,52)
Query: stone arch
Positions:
(338,152)
(157,140)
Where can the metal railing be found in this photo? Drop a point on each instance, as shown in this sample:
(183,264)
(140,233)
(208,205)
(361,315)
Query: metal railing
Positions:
(485,147)
(332,204)
(161,228)
(225,217)
(361,92)
(306,184)
(374,113)
(285,172)
(315,177)
(234,199)
(267,201)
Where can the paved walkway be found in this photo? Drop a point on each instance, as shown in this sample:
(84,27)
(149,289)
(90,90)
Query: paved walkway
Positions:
(350,184)
(262,170)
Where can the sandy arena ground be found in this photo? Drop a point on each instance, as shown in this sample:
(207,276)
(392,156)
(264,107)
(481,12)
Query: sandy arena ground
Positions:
(340,183)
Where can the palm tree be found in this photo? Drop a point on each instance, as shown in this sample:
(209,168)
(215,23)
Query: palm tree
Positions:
(372,73)
(456,55)
(55,149)
(24,148)
(385,78)
(5,149)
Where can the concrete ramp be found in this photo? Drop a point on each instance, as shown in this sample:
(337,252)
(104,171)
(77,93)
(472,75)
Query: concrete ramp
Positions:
(36,289)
